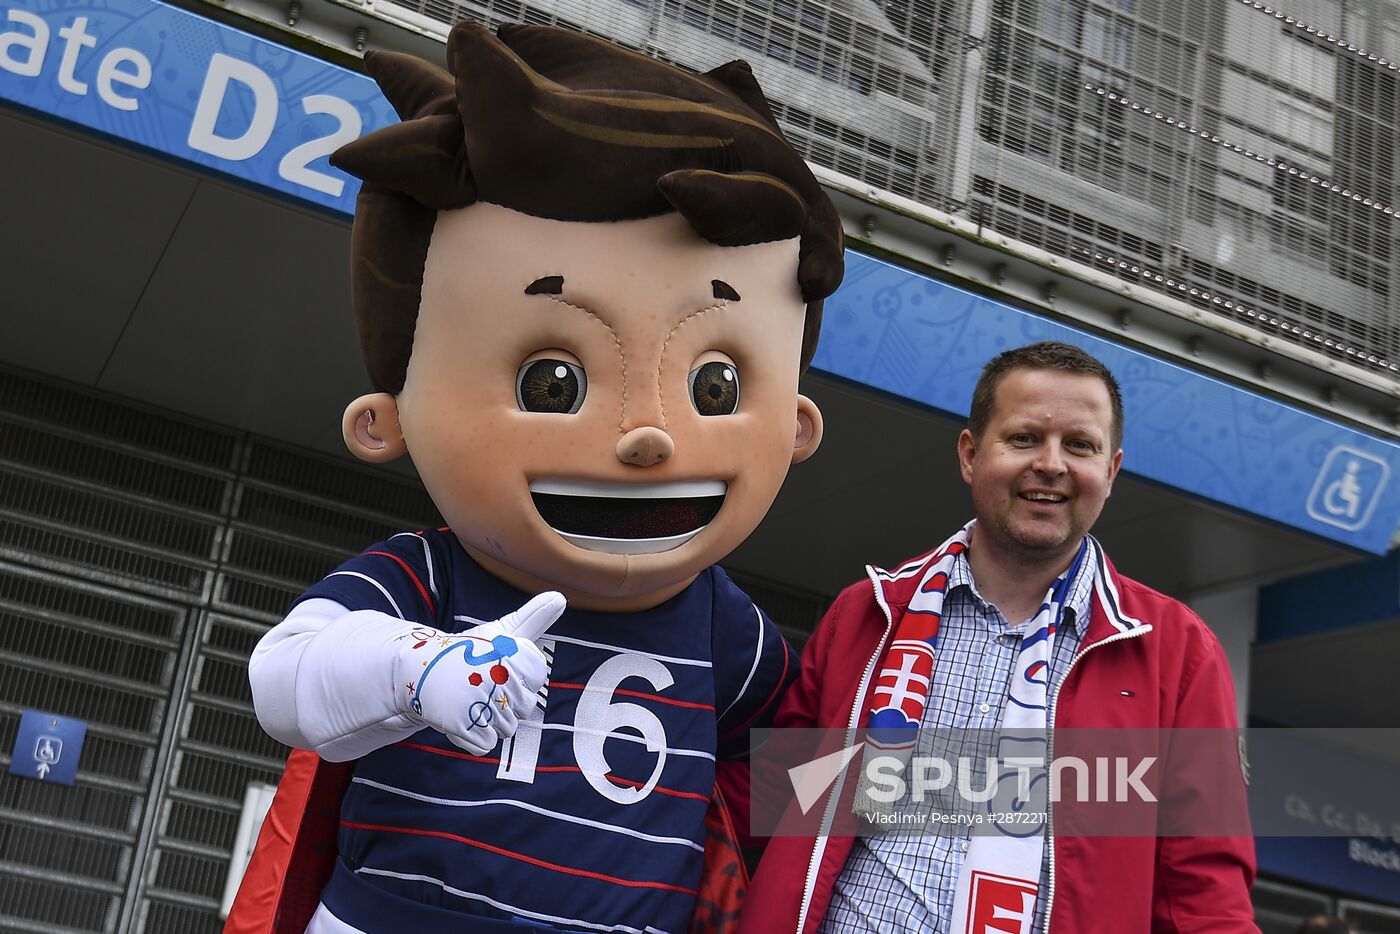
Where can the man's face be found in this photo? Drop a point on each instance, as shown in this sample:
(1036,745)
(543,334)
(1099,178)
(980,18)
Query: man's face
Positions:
(602,408)
(1044,465)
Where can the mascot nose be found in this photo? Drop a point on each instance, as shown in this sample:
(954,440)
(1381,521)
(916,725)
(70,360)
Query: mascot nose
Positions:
(645,446)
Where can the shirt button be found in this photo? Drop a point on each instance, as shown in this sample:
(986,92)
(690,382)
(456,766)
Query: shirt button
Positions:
(965,845)
(985,707)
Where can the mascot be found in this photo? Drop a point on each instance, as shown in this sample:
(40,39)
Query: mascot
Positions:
(585,285)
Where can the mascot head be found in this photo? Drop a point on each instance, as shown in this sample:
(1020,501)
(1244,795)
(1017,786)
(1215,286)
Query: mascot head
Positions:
(585,285)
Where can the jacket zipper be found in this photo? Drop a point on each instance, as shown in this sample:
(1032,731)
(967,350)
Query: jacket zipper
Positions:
(1050,753)
(809,887)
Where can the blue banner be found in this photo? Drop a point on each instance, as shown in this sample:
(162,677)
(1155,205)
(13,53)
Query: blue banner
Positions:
(191,88)
(911,335)
(1338,598)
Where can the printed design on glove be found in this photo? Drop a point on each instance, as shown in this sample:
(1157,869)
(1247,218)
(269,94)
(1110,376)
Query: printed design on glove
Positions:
(501,647)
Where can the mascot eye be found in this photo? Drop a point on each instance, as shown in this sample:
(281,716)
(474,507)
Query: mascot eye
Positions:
(714,388)
(550,386)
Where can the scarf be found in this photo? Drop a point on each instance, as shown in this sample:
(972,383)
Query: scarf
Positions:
(1000,877)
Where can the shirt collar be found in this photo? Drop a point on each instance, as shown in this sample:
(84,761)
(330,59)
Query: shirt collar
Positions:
(1081,591)
(1081,588)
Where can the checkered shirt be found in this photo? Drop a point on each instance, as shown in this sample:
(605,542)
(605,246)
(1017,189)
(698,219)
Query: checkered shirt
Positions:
(905,882)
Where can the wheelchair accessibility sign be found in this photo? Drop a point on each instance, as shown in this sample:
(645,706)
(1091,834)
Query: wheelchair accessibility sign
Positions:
(47,747)
(1348,488)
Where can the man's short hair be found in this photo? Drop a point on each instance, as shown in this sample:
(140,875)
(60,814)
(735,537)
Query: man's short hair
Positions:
(559,125)
(1046,355)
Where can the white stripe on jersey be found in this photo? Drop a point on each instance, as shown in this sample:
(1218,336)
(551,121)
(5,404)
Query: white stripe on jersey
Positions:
(757,654)
(510,802)
(427,558)
(572,922)
(630,737)
(377,586)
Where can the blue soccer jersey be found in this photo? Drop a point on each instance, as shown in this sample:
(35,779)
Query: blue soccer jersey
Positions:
(591,818)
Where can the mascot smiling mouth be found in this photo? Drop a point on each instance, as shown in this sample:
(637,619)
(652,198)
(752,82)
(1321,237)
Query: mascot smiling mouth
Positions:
(627,518)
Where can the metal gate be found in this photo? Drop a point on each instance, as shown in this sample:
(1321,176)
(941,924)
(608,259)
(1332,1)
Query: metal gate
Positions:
(141,558)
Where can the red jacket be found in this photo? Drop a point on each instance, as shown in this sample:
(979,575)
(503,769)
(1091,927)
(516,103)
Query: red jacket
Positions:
(1177,676)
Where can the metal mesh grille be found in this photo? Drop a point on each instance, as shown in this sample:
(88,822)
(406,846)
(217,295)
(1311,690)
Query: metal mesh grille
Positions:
(859,88)
(348,487)
(86,806)
(74,549)
(114,422)
(219,748)
(260,600)
(48,848)
(51,906)
(61,646)
(97,507)
(174,918)
(1234,156)
(1241,161)
(292,520)
(1370,919)
(52,452)
(310,521)
(141,558)
(1279,908)
(107,658)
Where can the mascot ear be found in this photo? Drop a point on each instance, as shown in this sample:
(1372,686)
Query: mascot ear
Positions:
(736,209)
(809,430)
(370,427)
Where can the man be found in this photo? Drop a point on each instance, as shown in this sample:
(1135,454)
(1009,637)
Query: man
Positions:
(1021,588)
(586,284)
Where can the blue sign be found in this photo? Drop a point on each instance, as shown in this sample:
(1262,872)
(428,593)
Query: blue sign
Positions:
(183,85)
(1357,865)
(47,747)
(1337,598)
(911,335)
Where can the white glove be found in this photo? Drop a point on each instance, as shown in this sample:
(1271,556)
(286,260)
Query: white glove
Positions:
(474,686)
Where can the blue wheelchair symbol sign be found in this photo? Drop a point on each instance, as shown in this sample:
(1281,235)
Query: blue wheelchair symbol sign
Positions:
(47,747)
(48,750)
(1348,488)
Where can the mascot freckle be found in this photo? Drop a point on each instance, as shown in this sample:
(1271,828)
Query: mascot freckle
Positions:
(585,284)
